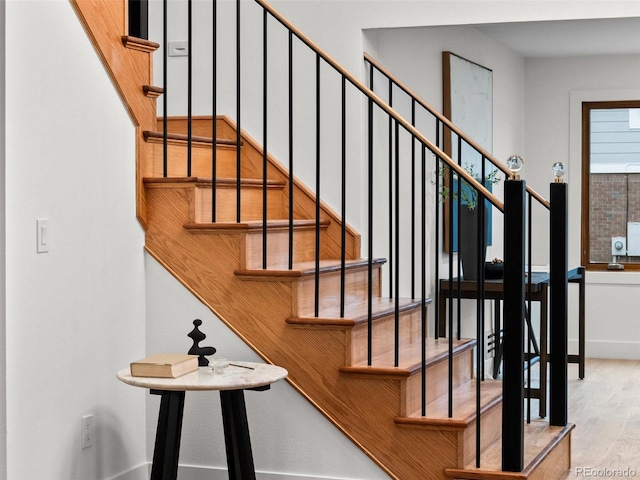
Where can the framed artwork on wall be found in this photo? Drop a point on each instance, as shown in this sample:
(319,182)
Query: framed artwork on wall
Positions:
(468,103)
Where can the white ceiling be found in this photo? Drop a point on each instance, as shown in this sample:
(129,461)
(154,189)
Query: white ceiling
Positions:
(569,38)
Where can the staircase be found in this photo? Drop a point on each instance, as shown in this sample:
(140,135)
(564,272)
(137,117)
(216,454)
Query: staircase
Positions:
(379,406)
(311,302)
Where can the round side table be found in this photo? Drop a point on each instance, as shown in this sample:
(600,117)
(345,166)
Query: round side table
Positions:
(231,383)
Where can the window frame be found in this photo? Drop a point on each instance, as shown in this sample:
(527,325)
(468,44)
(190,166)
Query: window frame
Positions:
(585,249)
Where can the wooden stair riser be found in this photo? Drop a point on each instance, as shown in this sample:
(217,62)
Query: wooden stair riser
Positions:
(490,431)
(200,126)
(547,455)
(437,383)
(304,247)
(356,290)
(556,464)
(251,202)
(200,161)
(383,334)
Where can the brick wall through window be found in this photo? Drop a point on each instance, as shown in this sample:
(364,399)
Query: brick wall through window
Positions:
(614,200)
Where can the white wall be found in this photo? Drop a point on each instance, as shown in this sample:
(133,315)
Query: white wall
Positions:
(75,315)
(290,438)
(555,90)
(3,296)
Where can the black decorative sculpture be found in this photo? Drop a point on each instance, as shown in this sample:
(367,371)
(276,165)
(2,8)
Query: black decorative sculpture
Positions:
(197,336)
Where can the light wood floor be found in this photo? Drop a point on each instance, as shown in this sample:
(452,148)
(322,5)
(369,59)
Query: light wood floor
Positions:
(605,408)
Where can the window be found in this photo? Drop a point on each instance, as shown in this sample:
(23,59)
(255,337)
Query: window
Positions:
(611,185)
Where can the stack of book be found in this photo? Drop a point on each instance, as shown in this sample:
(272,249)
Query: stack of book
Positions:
(166,365)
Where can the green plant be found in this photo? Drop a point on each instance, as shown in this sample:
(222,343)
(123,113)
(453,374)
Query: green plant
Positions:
(468,194)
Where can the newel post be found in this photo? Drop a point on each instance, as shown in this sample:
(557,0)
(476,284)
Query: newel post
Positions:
(139,19)
(513,336)
(558,330)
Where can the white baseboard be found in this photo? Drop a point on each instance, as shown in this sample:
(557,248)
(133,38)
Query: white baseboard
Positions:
(141,472)
(608,349)
(190,472)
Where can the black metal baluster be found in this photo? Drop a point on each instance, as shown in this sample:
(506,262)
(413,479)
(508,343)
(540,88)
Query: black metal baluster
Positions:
(450,325)
(413,202)
(423,267)
(459,204)
(189,84)
(165,89)
(438,176)
(391,259)
(317,275)
(238,114)
(264,139)
(528,312)
(370,226)
(396,321)
(290,150)
(370,239)
(481,262)
(214,124)
(458,195)
(343,213)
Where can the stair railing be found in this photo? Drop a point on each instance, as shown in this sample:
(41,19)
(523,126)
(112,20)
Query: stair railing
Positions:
(521,307)
(403,141)
(417,101)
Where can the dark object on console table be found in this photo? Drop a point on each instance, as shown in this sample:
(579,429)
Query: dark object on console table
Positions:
(493,270)
(197,336)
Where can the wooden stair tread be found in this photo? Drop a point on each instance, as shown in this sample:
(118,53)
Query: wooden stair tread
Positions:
(410,358)
(305,269)
(220,182)
(540,439)
(256,226)
(182,138)
(464,406)
(358,312)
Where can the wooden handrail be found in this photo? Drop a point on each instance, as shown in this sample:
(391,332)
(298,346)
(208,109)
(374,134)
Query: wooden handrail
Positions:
(383,105)
(450,125)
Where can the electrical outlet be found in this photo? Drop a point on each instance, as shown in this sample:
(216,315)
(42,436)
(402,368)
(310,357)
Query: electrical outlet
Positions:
(87,431)
(178,49)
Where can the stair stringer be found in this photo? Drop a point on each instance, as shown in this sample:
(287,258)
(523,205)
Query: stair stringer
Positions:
(257,311)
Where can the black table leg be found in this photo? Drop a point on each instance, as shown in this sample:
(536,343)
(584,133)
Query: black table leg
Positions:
(581,331)
(497,328)
(236,435)
(167,446)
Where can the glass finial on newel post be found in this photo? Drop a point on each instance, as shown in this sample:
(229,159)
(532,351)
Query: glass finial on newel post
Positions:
(515,164)
(558,171)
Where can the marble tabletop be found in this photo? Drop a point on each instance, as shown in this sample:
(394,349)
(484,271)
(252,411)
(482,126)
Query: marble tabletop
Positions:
(233,377)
